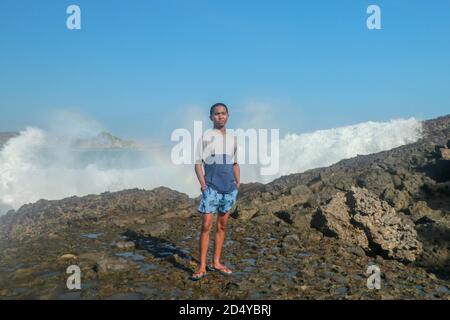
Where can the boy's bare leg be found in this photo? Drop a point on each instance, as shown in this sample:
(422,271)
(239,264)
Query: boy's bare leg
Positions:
(222,221)
(207,220)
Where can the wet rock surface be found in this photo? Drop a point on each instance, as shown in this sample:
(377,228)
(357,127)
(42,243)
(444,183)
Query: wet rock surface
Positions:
(390,209)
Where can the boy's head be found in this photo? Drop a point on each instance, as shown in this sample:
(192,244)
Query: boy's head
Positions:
(219,114)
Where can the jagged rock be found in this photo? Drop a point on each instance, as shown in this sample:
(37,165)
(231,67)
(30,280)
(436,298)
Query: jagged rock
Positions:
(398,199)
(376,180)
(267,196)
(302,193)
(315,185)
(420,210)
(301,219)
(334,221)
(325,194)
(267,203)
(397,181)
(361,218)
(412,183)
(384,228)
(121,209)
(343,183)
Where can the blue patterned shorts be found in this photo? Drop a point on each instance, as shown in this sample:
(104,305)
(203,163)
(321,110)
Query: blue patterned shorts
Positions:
(212,200)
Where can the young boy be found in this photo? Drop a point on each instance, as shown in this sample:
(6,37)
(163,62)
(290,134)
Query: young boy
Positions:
(217,152)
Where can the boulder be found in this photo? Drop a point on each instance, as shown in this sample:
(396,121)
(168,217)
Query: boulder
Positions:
(387,233)
(333,220)
(360,218)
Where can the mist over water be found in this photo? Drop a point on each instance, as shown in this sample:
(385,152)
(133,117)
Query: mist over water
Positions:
(40,165)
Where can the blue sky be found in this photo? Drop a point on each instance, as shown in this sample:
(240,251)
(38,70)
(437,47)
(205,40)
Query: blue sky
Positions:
(144,68)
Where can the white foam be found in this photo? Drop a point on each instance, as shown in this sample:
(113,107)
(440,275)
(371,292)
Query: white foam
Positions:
(325,147)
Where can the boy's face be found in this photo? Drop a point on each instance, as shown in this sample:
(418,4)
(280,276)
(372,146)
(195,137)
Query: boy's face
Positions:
(219,116)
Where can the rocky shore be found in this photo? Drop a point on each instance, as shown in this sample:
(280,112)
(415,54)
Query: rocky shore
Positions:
(310,235)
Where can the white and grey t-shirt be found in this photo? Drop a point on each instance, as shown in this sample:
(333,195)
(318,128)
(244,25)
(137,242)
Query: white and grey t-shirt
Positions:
(218,153)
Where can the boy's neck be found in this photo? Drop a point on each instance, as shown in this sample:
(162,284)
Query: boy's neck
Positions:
(222,129)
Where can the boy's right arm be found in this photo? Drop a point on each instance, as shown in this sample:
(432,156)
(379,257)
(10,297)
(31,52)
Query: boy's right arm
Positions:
(200,176)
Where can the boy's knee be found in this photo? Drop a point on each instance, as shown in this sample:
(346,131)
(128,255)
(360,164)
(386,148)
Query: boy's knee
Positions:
(221,227)
(206,228)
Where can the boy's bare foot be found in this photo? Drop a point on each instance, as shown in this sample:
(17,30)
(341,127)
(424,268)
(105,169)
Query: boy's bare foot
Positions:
(222,269)
(199,274)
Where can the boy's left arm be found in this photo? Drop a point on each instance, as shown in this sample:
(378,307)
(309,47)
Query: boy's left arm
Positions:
(237,174)
(236,168)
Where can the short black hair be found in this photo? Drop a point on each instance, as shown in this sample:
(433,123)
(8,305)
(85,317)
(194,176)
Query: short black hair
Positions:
(218,104)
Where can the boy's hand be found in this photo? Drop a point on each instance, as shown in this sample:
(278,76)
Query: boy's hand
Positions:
(238,184)
(203,188)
